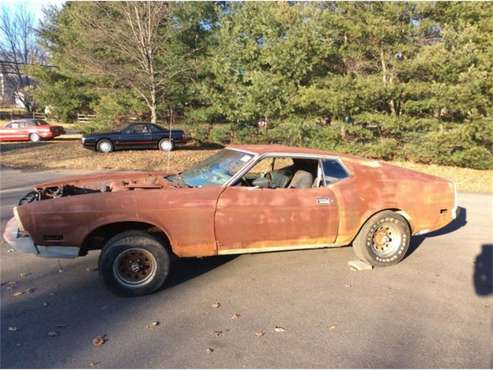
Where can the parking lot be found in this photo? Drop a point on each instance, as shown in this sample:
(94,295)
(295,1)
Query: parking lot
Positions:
(285,309)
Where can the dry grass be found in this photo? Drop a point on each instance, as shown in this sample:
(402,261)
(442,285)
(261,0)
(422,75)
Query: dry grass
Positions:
(58,155)
(70,154)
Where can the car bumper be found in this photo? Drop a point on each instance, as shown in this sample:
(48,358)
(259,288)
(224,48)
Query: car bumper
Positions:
(23,243)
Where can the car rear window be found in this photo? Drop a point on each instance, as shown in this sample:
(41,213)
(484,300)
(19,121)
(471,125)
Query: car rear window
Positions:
(333,171)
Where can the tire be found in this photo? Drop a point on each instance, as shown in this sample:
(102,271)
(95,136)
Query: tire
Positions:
(166,145)
(34,137)
(134,263)
(104,146)
(383,240)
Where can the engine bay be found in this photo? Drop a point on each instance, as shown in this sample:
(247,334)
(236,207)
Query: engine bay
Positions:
(67,190)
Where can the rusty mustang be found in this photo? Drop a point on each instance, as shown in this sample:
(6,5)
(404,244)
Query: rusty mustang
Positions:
(243,199)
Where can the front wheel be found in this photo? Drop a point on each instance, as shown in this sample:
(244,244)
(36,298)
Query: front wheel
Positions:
(166,145)
(383,240)
(104,146)
(134,263)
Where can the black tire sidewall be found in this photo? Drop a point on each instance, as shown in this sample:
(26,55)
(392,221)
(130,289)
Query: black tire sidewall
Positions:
(363,243)
(114,248)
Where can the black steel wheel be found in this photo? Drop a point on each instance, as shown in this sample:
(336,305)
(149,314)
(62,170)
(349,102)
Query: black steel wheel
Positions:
(134,263)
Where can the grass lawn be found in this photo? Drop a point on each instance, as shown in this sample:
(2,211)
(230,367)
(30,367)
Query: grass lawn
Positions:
(71,155)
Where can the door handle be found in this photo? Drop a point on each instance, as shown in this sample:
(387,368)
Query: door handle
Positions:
(323,200)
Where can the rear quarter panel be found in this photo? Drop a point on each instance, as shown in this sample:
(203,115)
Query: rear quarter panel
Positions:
(376,186)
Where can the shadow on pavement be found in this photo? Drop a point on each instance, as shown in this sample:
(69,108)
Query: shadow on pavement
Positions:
(78,309)
(459,222)
(185,269)
(483,275)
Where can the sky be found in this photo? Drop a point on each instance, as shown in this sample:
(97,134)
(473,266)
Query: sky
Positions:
(35,7)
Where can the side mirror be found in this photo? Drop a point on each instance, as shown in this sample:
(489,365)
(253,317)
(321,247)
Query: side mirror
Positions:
(261,182)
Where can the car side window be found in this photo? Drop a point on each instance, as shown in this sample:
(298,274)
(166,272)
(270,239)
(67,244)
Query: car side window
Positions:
(283,173)
(140,129)
(155,128)
(333,171)
(15,125)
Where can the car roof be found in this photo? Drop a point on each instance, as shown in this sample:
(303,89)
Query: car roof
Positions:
(24,120)
(275,148)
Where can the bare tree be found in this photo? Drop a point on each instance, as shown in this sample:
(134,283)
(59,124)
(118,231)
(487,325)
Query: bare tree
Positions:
(129,42)
(18,50)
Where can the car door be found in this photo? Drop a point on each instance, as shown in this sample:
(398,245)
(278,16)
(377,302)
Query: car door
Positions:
(12,132)
(134,137)
(250,219)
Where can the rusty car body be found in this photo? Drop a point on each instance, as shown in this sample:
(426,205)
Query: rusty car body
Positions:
(309,199)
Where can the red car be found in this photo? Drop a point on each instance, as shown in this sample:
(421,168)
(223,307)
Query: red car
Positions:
(30,129)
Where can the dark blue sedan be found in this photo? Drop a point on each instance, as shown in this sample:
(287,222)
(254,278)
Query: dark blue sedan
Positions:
(141,135)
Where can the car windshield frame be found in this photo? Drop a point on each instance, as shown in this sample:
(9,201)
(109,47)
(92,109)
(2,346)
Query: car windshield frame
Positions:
(216,170)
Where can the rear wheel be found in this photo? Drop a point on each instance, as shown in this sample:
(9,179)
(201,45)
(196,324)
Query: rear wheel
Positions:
(134,263)
(166,145)
(104,146)
(34,137)
(383,240)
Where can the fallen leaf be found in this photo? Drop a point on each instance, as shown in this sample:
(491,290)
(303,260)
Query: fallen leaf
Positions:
(210,350)
(332,327)
(12,328)
(53,333)
(236,316)
(260,333)
(99,341)
(279,329)
(216,305)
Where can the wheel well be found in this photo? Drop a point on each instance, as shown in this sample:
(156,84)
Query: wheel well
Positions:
(97,238)
(104,138)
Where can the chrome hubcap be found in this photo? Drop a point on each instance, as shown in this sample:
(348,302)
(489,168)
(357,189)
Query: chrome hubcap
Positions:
(135,267)
(105,147)
(166,146)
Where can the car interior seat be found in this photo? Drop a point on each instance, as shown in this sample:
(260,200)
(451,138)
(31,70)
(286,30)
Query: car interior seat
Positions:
(301,180)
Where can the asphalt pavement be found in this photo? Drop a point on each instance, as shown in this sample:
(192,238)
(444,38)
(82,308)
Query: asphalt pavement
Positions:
(434,309)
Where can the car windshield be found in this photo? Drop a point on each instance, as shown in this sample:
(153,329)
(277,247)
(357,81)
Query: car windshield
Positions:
(215,170)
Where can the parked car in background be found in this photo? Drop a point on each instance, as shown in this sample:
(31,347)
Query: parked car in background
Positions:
(139,135)
(30,129)
(243,199)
